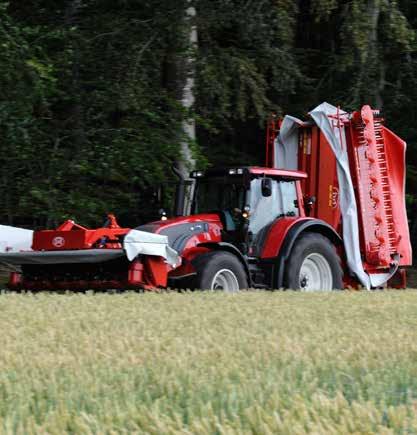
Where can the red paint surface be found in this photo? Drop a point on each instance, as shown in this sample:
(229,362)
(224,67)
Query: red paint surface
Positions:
(73,236)
(277,235)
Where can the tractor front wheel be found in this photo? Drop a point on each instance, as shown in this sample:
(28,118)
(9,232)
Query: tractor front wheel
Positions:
(313,265)
(220,271)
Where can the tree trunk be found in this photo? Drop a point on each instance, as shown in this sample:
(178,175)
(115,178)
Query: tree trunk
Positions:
(373,59)
(187,162)
(180,80)
(370,87)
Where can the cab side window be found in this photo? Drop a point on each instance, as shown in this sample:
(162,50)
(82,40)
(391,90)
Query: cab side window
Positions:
(289,198)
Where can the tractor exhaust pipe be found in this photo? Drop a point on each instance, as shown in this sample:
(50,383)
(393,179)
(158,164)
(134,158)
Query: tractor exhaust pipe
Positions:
(179,193)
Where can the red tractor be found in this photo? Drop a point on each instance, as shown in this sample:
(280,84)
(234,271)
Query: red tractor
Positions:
(328,212)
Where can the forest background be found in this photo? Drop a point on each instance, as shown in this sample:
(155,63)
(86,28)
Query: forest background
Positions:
(91,110)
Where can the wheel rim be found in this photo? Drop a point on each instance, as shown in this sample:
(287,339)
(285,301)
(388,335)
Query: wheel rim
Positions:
(315,274)
(225,280)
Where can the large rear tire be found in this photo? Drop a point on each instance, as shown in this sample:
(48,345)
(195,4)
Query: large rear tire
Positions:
(219,271)
(313,265)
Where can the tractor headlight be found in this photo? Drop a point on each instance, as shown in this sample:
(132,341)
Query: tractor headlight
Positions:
(197,174)
(236,171)
(246,212)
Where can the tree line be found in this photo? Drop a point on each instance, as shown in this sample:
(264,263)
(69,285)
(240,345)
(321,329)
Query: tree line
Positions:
(92,112)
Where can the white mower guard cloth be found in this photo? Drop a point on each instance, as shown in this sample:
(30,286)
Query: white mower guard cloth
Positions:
(143,243)
(286,144)
(13,239)
(288,138)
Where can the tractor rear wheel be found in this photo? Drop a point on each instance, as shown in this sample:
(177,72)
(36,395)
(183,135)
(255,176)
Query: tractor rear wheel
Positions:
(220,271)
(313,265)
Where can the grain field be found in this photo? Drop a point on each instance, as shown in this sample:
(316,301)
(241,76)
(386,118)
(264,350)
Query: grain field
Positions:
(208,363)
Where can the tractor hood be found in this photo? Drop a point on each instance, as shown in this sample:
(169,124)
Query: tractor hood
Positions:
(169,238)
(181,220)
(180,230)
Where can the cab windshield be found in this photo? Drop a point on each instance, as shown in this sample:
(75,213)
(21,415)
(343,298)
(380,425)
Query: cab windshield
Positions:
(217,194)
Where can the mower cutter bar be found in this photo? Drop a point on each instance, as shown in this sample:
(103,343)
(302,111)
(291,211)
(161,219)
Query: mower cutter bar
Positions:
(61,257)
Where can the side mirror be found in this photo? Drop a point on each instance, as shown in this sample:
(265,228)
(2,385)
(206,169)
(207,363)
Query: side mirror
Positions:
(309,203)
(266,186)
(311,200)
(163,214)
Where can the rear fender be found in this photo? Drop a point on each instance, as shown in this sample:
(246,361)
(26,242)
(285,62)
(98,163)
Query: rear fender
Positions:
(278,233)
(289,234)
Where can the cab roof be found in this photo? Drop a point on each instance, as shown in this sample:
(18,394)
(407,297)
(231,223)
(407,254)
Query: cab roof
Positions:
(273,172)
(249,170)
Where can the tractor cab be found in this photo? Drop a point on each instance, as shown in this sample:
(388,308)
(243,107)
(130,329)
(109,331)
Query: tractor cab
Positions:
(248,200)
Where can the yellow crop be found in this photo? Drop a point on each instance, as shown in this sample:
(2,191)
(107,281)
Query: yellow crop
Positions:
(207,363)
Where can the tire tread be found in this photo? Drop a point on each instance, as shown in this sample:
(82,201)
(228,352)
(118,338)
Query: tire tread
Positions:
(306,242)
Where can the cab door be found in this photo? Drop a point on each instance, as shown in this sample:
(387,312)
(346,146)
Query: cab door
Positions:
(266,206)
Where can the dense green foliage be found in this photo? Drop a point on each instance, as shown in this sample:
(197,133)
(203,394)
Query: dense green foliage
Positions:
(90,116)
(207,363)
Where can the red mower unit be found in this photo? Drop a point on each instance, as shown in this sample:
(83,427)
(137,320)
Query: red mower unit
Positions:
(327,212)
